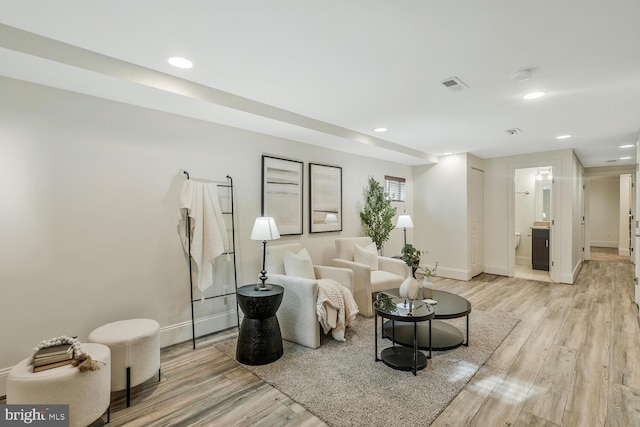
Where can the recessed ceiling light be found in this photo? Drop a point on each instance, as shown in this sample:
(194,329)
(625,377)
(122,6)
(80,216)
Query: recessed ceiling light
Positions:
(563,136)
(627,146)
(625,158)
(448,153)
(380,130)
(180,62)
(534,95)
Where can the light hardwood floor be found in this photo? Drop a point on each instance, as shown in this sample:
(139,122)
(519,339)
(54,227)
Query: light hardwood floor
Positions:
(573,360)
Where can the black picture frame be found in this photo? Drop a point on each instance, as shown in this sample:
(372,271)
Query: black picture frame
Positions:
(325,198)
(282,193)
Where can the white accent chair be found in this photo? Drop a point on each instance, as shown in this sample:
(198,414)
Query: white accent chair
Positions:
(378,274)
(297,313)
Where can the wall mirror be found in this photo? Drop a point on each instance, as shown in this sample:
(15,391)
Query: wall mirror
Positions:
(544,179)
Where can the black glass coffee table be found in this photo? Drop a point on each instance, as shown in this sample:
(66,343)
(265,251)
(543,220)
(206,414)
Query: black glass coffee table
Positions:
(399,310)
(440,335)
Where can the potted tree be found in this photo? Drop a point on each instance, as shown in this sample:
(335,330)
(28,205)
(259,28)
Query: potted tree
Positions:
(377,214)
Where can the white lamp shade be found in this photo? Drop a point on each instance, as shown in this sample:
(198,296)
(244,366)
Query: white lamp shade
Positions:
(404,221)
(265,229)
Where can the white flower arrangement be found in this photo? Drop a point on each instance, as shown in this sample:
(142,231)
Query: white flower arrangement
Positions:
(52,342)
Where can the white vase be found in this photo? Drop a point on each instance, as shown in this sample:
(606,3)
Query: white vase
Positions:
(409,288)
(427,281)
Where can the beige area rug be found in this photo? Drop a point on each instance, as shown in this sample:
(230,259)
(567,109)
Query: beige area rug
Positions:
(343,385)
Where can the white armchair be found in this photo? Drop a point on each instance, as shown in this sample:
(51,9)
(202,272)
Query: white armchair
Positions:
(297,313)
(371,273)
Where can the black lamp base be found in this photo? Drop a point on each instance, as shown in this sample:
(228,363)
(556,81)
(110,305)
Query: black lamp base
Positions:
(262,286)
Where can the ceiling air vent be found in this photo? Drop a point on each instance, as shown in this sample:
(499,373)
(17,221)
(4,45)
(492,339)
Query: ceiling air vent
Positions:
(513,131)
(454,84)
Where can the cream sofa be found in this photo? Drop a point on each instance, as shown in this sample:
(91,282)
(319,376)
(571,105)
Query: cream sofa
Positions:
(367,280)
(297,313)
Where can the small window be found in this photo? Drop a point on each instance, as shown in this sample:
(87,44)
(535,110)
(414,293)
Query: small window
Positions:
(395,188)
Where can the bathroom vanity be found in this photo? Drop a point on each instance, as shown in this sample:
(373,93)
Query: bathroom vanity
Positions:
(540,248)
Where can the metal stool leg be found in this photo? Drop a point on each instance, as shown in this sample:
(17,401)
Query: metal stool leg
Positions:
(128,386)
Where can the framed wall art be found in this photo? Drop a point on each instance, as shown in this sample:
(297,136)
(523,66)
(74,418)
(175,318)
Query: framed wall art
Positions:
(282,188)
(325,198)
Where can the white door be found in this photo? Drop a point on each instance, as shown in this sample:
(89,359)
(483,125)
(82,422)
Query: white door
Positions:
(476,221)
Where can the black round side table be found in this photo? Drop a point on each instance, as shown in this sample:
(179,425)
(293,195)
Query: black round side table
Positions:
(259,339)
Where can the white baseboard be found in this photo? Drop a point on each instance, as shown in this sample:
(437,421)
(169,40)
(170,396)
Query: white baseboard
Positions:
(576,271)
(496,269)
(181,332)
(453,273)
(170,335)
(624,251)
(603,243)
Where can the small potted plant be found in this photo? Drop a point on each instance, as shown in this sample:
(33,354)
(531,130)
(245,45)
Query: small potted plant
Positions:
(411,256)
(427,272)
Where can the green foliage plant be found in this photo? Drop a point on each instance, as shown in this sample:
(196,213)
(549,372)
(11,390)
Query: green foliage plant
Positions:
(411,256)
(377,214)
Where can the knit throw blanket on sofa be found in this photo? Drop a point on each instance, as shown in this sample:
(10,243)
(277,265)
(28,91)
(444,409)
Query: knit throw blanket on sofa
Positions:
(335,307)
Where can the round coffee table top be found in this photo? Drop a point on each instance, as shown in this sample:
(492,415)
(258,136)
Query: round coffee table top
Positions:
(403,309)
(449,305)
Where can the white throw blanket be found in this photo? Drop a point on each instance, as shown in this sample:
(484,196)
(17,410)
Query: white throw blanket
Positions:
(335,307)
(209,237)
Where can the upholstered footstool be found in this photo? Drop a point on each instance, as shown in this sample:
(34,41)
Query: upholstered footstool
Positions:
(88,394)
(135,351)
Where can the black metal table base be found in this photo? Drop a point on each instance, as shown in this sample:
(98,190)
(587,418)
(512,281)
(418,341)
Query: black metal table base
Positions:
(402,359)
(443,335)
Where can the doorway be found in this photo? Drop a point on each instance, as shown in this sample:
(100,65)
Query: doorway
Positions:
(533,222)
(611,225)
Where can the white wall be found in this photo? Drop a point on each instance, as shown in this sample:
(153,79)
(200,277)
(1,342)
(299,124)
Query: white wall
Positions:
(624,230)
(577,214)
(441,214)
(89,206)
(604,211)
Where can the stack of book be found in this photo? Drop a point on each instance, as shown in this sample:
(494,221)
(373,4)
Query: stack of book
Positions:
(52,357)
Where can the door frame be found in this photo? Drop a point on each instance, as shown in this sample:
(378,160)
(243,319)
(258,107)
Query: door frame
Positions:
(556,204)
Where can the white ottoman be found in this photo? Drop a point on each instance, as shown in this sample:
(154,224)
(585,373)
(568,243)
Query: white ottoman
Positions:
(88,394)
(135,351)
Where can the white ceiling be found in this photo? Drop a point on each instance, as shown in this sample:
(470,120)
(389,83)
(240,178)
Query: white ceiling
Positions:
(329,72)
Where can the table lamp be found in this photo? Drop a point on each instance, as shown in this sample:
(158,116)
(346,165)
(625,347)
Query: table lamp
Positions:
(264,229)
(404,221)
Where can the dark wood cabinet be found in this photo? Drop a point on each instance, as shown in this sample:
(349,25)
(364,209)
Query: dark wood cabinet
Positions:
(540,248)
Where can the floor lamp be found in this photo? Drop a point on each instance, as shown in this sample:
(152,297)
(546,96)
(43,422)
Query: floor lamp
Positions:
(264,229)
